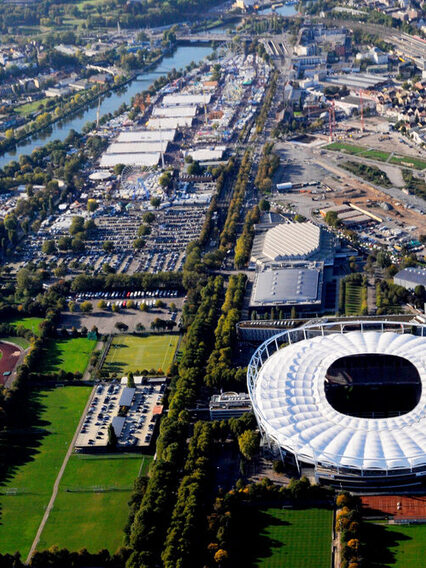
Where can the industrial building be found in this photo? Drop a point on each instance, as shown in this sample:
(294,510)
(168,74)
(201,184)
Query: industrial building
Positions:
(147,136)
(229,405)
(411,277)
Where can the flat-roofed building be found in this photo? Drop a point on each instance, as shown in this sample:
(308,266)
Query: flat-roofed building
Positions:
(172,123)
(148,160)
(171,112)
(299,286)
(410,277)
(147,136)
(186,99)
(144,147)
(229,405)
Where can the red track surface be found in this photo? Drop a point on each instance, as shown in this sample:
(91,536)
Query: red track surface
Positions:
(11,354)
(409,507)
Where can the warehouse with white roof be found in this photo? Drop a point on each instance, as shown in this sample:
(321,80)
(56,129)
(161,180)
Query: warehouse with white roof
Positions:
(172,112)
(186,99)
(147,136)
(166,123)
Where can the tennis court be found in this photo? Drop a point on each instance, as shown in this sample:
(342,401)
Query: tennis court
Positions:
(145,354)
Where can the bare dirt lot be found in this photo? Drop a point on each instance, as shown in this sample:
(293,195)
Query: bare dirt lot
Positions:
(105,320)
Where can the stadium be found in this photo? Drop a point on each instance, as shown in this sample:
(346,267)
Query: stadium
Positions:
(346,400)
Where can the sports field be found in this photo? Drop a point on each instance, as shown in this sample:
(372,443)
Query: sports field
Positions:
(70,355)
(35,456)
(91,508)
(396,546)
(353,298)
(295,538)
(131,353)
(32,323)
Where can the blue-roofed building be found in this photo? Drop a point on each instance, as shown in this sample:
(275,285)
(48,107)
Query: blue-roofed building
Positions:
(127,396)
(411,277)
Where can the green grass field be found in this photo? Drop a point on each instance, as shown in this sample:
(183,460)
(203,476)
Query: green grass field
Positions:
(132,353)
(409,161)
(347,148)
(84,516)
(32,323)
(28,108)
(20,341)
(377,155)
(70,355)
(35,457)
(353,298)
(295,538)
(395,546)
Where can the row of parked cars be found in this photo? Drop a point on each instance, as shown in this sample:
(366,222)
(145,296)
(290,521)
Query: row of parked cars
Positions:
(127,295)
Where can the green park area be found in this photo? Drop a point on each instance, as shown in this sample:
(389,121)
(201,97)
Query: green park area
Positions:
(91,508)
(396,546)
(35,454)
(297,538)
(353,298)
(134,353)
(379,155)
(32,323)
(28,108)
(19,341)
(69,355)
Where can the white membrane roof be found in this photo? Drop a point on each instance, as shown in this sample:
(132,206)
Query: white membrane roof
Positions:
(290,403)
(293,240)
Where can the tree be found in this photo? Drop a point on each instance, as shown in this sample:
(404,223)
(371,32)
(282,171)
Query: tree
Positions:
(101,304)
(130,380)
(112,437)
(264,205)
(248,443)
(49,247)
(144,230)
(92,205)
(121,326)
(220,556)
(108,246)
(138,243)
(331,218)
(77,225)
(155,202)
(165,180)
(72,306)
(77,245)
(64,243)
(148,217)
(86,307)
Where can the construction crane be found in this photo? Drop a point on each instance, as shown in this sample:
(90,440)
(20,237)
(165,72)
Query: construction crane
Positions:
(362,111)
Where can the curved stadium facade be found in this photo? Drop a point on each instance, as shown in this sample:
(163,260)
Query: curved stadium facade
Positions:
(347,399)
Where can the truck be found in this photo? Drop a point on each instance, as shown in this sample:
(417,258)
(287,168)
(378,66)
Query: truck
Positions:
(284,186)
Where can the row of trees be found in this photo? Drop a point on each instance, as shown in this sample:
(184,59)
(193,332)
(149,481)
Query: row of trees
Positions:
(267,101)
(227,236)
(245,240)
(268,165)
(148,531)
(349,529)
(220,371)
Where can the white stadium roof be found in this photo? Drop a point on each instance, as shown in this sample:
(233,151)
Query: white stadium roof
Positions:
(289,401)
(291,241)
(146,136)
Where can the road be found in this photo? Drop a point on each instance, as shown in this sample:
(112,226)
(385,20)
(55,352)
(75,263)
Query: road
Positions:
(58,481)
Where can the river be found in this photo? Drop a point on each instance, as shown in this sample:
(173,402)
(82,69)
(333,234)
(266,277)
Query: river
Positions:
(181,57)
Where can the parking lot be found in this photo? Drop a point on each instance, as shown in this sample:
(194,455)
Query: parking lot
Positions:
(105,320)
(136,424)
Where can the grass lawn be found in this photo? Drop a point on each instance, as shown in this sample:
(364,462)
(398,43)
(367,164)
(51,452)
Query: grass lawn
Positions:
(353,298)
(83,516)
(70,355)
(31,323)
(35,457)
(396,546)
(132,353)
(347,148)
(20,341)
(409,161)
(295,538)
(31,107)
(377,155)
